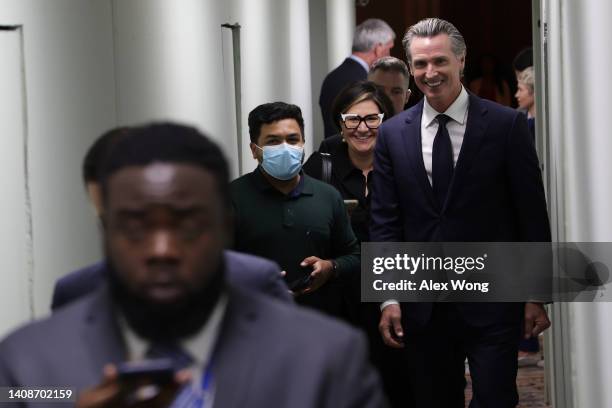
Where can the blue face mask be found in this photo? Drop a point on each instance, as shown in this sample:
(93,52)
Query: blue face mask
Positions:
(282,161)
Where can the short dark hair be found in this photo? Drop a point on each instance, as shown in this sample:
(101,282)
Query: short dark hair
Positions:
(273,112)
(98,151)
(358,92)
(390,64)
(167,143)
(523,59)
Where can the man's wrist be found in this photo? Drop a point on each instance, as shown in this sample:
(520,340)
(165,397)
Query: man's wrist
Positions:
(333,269)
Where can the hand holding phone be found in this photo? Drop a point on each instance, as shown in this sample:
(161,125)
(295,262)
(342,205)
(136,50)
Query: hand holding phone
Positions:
(303,282)
(322,271)
(153,384)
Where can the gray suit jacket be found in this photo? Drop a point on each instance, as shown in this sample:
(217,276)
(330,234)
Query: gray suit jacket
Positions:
(248,271)
(268,354)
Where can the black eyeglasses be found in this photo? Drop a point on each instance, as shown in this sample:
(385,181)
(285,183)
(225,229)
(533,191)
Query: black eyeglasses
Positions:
(352,120)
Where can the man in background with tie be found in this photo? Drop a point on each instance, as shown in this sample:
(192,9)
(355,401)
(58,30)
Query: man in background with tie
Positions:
(456,168)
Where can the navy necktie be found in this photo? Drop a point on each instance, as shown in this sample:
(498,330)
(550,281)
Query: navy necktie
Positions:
(180,358)
(442,161)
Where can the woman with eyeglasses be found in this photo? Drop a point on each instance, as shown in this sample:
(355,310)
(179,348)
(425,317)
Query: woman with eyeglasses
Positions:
(358,111)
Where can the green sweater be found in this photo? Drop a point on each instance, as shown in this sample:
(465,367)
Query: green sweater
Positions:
(310,221)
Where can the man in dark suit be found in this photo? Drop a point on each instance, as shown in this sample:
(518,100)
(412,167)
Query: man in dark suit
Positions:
(456,168)
(372,40)
(166,223)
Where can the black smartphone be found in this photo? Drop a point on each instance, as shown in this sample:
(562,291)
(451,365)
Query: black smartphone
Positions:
(157,371)
(300,284)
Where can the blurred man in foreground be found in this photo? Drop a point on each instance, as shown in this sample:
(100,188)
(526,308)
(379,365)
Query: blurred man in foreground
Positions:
(166,304)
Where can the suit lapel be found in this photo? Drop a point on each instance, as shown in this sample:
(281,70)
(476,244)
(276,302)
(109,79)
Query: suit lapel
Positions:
(101,332)
(412,139)
(472,139)
(235,353)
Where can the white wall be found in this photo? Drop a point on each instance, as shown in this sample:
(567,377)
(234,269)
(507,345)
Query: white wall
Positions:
(69,84)
(319,67)
(91,65)
(173,63)
(579,87)
(275,59)
(170,65)
(15,238)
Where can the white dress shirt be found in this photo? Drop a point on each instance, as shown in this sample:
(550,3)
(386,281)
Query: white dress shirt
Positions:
(458,112)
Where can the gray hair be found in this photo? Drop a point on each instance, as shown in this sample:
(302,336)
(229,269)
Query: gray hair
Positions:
(390,64)
(370,33)
(430,27)
(527,78)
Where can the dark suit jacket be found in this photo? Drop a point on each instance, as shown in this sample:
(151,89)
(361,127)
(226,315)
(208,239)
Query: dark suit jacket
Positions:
(346,73)
(268,354)
(243,270)
(496,193)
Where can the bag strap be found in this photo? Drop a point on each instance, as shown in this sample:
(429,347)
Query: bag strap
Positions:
(326,169)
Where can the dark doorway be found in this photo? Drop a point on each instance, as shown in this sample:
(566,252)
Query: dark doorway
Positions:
(497,28)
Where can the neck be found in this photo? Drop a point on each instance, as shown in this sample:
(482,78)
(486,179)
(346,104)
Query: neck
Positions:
(368,57)
(363,161)
(531,112)
(284,186)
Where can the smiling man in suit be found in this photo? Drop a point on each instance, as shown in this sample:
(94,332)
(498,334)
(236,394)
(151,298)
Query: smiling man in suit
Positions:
(456,168)
(167,220)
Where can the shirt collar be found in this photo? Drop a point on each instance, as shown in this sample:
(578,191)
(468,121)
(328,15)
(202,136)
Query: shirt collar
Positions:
(304,186)
(360,61)
(199,346)
(457,111)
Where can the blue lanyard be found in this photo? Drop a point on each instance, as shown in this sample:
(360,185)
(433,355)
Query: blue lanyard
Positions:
(202,398)
(208,394)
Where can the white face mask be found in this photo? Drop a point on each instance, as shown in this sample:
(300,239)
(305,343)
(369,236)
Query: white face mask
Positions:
(282,161)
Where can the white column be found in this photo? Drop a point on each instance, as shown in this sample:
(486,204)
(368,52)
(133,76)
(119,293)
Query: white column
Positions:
(170,65)
(340,29)
(275,59)
(300,72)
(579,86)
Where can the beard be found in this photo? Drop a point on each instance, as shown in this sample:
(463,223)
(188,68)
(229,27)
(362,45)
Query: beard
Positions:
(166,322)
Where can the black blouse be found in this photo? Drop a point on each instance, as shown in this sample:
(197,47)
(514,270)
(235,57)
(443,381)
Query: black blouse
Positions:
(348,180)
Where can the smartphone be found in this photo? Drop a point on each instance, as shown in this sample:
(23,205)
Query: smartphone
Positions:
(157,371)
(351,205)
(303,282)
(300,284)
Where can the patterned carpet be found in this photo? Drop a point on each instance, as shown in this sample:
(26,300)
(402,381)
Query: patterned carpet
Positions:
(530,383)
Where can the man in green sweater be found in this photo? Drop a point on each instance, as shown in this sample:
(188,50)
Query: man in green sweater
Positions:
(297,221)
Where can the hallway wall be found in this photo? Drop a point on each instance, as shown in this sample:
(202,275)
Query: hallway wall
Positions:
(69,90)
(578,60)
(89,66)
(175,61)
